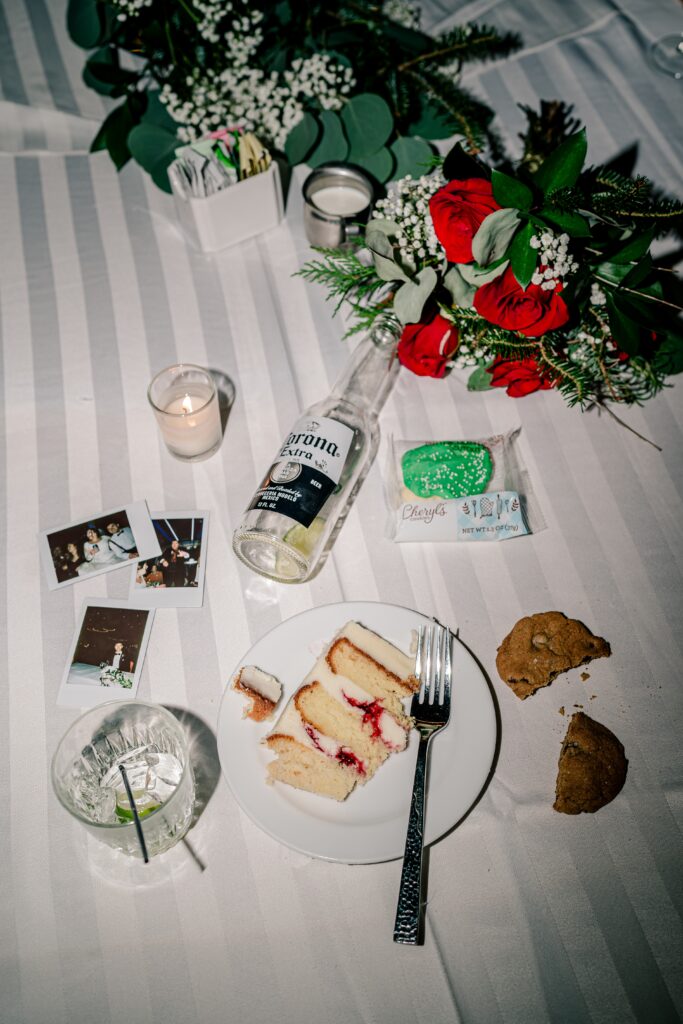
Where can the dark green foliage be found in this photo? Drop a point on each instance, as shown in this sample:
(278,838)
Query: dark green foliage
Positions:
(406,80)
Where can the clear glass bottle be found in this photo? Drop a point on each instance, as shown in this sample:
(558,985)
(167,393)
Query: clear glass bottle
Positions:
(297,511)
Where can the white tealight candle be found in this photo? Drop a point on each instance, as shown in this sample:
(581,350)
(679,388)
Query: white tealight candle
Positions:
(185,403)
(340,200)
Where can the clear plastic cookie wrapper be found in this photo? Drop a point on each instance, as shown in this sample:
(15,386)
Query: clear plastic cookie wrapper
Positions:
(460,490)
(307,491)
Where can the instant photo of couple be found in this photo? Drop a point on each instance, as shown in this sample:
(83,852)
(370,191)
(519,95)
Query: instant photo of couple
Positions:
(98,544)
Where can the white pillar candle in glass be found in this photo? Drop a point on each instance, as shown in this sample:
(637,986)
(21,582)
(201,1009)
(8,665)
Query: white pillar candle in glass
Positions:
(185,403)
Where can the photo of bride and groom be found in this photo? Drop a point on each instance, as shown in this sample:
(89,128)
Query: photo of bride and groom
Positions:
(88,547)
(102,542)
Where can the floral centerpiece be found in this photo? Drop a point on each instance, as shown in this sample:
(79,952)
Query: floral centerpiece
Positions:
(537,276)
(357,80)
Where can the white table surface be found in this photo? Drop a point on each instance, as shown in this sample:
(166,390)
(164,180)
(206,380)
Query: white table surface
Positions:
(532,916)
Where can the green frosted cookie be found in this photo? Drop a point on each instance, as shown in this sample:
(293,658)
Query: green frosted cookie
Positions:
(447,469)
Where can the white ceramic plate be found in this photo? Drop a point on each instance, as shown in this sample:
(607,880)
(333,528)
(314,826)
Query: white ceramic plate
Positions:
(370,825)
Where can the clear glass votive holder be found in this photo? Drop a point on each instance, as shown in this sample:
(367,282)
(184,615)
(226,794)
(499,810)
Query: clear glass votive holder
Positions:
(185,402)
(151,745)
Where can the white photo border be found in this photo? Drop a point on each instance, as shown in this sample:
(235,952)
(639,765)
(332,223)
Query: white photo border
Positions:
(174,597)
(75,695)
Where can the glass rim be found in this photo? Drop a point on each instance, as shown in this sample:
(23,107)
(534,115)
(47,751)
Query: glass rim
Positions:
(120,824)
(181,366)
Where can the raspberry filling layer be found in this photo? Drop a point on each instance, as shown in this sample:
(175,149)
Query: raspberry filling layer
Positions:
(343,754)
(372,712)
(347,757)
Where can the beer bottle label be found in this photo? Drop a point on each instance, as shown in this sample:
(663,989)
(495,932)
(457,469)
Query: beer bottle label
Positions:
(307,469)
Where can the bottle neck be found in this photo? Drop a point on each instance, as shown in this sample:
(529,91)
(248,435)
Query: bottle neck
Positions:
(371,371)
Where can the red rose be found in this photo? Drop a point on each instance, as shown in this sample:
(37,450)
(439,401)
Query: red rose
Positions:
(519,376)
(457,211)
(425,348)
(532,312)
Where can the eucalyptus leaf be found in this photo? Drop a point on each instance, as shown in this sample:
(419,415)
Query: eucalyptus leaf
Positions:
(509,191)
(103,74)
(460,290)
(433,122)
(411,297)
(413,156)
(156,113)
(154,149)
(523,258)
(302,138)
(380,164)
(479,380)
(332,145)
(113,135)
(482,275)
(383,225)
(368,123)
(563,167)
(383,257)
(85,22)
(494,235)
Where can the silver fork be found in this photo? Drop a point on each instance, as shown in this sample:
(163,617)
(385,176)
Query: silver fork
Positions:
(431,708)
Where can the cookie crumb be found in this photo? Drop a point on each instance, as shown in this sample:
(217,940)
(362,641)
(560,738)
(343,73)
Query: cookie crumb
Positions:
(580,706)
(561,710)
(585,676)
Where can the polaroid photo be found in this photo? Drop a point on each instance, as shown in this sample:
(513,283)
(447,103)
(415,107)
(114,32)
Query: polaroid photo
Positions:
(98,544)
(106,653)
(175,577)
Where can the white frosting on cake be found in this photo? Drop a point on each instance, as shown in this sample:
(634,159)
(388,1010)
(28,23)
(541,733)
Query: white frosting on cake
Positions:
(290,723)
(261,682)
(379,649)
(341,688)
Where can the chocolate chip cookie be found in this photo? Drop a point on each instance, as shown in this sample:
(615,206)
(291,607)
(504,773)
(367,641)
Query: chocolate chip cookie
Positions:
(591,769)
(540,647)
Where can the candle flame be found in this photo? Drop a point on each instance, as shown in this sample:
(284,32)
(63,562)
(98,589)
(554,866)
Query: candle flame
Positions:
(187,404)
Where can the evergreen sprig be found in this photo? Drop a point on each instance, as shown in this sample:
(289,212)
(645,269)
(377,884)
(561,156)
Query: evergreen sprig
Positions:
(347,279)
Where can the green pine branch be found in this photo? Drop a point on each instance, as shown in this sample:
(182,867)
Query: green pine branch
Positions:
(470,117)
(467,43)
(347,280)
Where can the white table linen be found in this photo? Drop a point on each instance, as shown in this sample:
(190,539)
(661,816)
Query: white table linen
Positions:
(532,916)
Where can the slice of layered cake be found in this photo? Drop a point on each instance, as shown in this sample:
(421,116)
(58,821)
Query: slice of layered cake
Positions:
(347,716)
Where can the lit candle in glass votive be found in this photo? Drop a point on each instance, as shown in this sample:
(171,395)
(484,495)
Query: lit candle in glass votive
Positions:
(185,403)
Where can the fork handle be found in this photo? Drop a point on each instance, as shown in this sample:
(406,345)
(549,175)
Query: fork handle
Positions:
(407,923)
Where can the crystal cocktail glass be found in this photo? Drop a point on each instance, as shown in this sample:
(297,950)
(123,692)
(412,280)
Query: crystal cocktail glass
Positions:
(150,744)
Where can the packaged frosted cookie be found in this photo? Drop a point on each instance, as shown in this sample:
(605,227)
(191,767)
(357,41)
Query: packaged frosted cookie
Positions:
(460,491)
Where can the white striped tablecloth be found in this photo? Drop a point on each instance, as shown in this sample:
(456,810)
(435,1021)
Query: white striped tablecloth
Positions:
(532,916)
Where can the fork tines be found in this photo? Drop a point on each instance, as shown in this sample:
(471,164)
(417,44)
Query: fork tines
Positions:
(433,664)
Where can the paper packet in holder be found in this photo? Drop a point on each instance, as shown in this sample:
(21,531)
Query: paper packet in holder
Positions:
(460,491)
